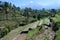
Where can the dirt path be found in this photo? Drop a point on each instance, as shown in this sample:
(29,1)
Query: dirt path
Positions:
(23,36)
(20,37)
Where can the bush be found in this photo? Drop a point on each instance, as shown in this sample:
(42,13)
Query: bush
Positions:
(22,24)
(33,21)
(3,32)
(55,27)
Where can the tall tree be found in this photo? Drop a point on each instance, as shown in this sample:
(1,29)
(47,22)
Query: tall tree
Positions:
(18,8)
(26,14)
(14,11)
(38,17)
(53,12)
(6,5)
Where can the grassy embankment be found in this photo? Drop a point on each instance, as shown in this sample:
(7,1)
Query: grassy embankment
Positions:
(57,20)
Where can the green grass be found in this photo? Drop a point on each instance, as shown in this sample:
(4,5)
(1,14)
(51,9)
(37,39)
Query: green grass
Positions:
(57,19)
(4,24)
(58,35)
(32,32)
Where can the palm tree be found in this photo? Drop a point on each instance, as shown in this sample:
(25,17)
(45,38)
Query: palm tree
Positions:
(26,14)
(38,17)
(53,12)
(6,5)
(14,11)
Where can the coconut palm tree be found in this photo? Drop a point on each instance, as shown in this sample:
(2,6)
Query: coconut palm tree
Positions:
(6,5)
(53,12)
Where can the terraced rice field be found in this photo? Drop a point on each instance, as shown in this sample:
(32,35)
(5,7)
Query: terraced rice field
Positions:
(12,35)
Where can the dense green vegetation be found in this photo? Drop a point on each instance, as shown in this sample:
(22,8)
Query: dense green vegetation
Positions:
(57,20)
(12,17)
(32,32)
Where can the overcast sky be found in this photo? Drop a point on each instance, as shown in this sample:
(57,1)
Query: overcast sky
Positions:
(37,4)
